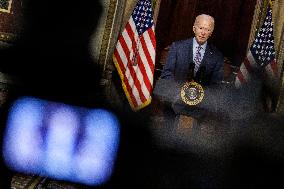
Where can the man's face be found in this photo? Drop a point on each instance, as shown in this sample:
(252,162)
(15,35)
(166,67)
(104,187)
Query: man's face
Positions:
(203,30)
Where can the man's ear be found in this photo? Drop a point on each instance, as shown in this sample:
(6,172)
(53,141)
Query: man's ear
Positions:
(211,33)
(193,28)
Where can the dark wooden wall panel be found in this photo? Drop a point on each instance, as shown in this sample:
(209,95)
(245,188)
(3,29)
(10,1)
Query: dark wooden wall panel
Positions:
(10,19)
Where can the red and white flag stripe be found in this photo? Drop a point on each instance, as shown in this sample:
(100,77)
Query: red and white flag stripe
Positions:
(247,66)
(272,71)
(261,55)
(134,58)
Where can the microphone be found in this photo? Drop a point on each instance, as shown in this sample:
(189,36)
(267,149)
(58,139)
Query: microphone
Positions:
(200,75)
(190,75)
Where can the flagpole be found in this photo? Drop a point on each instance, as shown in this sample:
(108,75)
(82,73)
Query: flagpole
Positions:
(137,43)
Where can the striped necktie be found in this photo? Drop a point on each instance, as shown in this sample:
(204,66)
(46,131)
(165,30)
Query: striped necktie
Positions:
(197,59)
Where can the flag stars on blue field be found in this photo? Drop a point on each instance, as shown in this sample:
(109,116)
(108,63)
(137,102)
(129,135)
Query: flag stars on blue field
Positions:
(263,47)
(263,53)
(142,16)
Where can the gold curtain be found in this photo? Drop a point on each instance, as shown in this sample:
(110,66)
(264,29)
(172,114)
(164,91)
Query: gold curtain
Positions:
(278,19)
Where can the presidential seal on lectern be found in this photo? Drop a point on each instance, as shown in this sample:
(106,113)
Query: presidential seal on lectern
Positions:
(192,93)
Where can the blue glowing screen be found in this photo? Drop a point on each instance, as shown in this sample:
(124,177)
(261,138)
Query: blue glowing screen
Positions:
(61,141)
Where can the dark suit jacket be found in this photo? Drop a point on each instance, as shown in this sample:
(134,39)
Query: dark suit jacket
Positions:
(181,55)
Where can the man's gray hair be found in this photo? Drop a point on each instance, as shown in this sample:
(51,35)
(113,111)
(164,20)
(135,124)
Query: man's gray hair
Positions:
(204,16)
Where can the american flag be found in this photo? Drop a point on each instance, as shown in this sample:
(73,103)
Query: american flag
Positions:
(134,55)
(261,54)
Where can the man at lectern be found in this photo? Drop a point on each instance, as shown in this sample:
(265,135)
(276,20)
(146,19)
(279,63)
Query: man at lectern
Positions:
(194,59)
(208,61)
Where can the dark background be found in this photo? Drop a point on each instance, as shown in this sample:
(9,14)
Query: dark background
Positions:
(50,57)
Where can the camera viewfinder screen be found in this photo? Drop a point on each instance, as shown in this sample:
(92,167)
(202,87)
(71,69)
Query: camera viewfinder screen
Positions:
(61,141)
